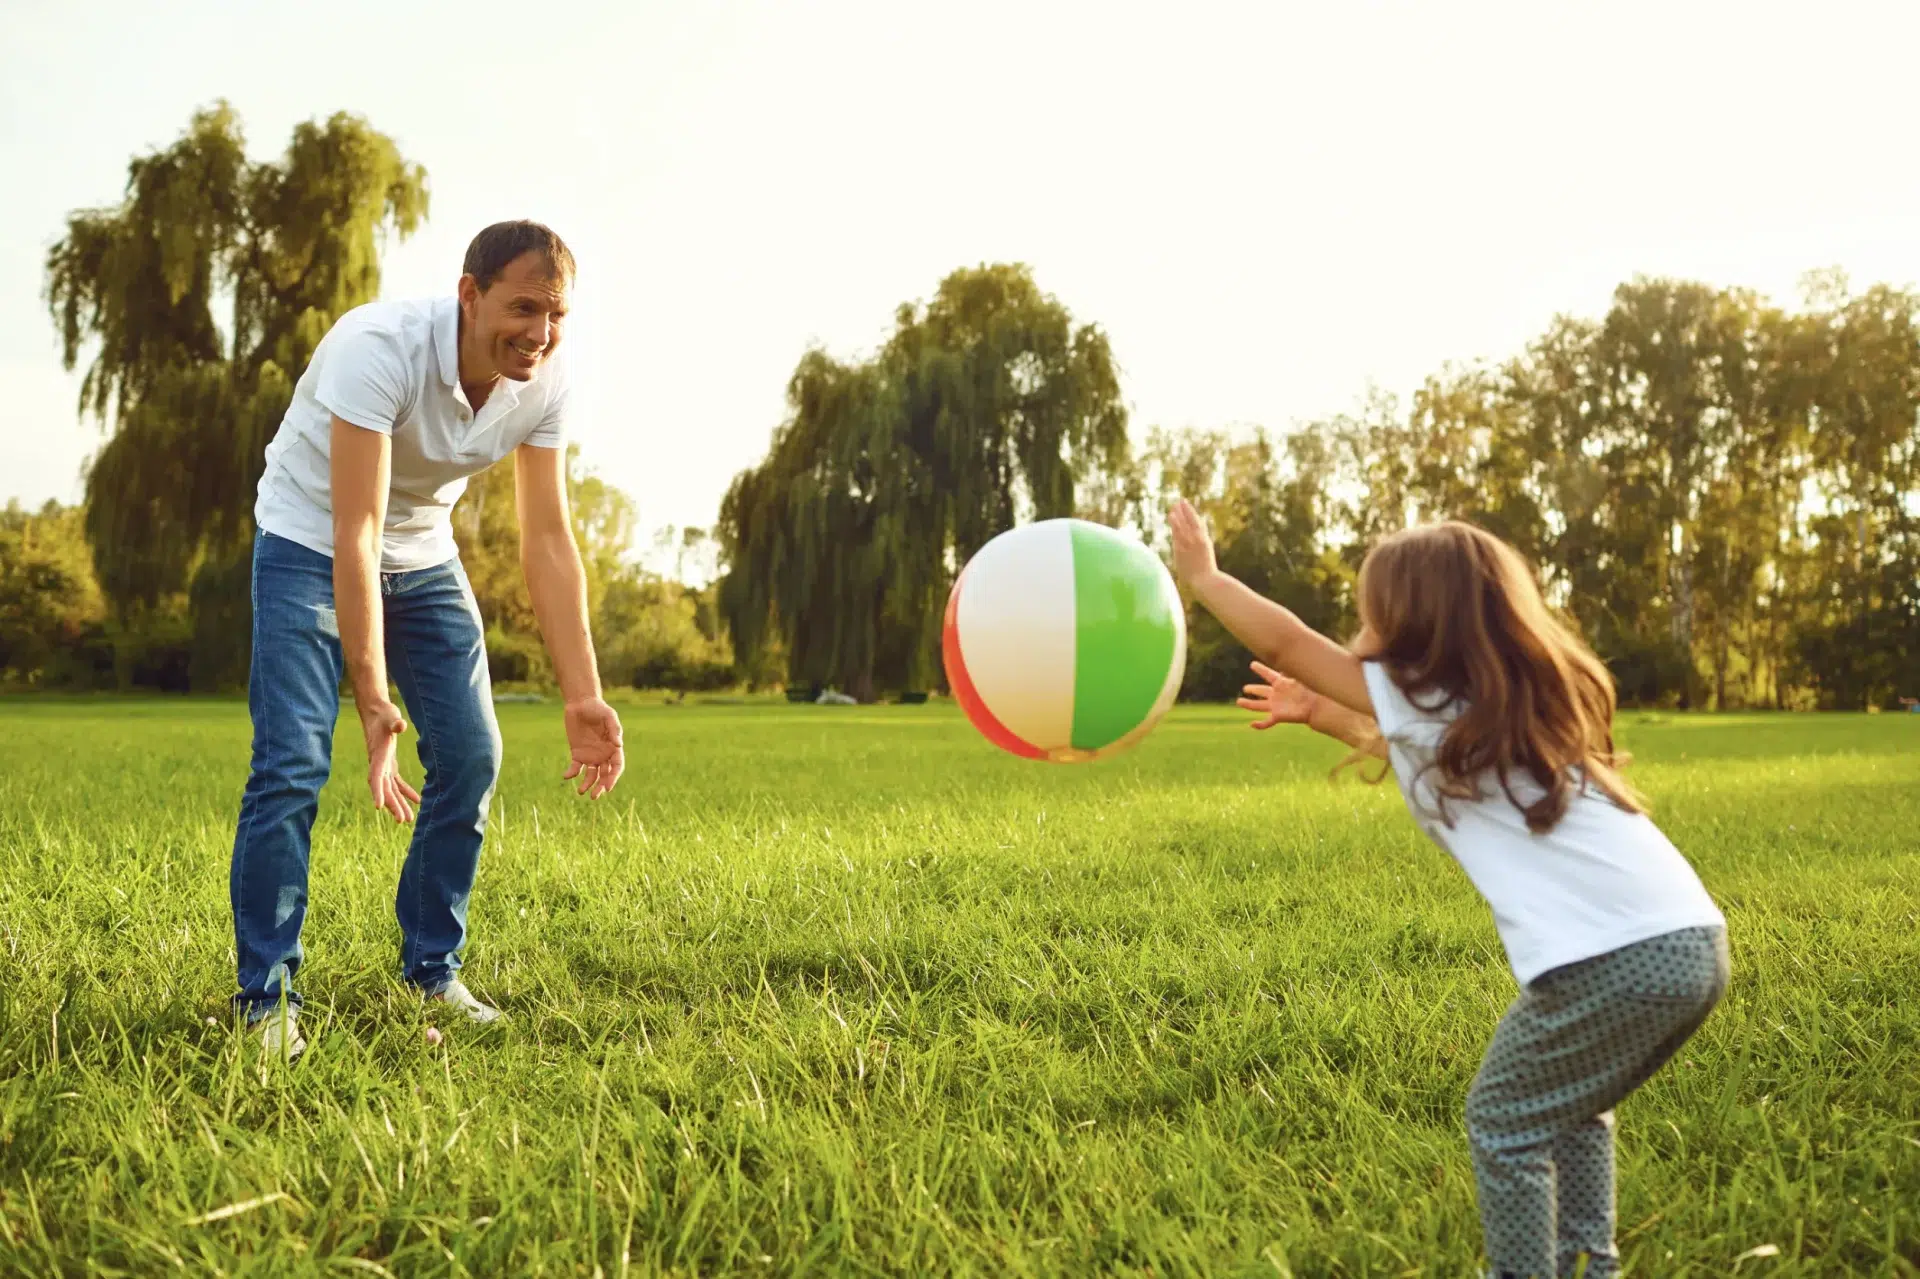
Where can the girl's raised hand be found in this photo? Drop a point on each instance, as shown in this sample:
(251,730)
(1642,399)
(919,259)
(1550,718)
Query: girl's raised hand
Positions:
(1192,546)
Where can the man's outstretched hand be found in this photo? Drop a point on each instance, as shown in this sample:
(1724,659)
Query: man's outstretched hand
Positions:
(593,736)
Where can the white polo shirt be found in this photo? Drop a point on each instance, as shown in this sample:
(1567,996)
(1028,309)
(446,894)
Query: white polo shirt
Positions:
(394,367)
(1601,879)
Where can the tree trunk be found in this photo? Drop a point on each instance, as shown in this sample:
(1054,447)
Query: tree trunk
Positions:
(1773,651)
(1680,581)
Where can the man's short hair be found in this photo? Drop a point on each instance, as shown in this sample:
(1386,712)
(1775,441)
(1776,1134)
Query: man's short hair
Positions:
(503,242)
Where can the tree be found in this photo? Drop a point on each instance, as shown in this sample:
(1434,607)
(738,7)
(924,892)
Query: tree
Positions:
(50,604)
(986,407)
(486,527)
(1721,493)
(1862,638)
(658,632)
(1270,508)
(283,248)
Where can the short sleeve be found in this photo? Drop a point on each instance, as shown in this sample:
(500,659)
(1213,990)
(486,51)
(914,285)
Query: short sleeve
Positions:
(1391,709)
(550,432)
(363,379)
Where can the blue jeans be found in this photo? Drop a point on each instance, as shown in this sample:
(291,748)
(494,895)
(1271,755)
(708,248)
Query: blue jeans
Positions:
(438,657)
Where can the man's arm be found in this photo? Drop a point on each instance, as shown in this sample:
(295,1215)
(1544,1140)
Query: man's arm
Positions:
(556,580)
(361,467)
(557,585)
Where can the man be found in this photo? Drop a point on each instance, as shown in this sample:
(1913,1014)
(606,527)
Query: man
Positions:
(355,564)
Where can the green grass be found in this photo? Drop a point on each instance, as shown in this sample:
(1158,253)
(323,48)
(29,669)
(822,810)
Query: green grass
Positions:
(844,991)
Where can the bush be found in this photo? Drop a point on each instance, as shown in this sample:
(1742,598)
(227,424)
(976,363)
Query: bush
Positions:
(649,636)
(517,659)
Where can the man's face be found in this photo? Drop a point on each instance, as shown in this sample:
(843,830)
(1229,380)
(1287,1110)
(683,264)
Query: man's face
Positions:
(517,322)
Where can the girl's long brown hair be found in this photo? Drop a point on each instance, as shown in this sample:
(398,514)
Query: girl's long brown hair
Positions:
(1452,611)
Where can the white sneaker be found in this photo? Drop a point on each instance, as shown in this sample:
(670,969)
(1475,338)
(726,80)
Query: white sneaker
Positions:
(456,995)
(279,1036)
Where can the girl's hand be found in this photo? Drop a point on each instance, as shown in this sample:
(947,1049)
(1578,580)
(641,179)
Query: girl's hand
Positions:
(1280,699)
(1192,547)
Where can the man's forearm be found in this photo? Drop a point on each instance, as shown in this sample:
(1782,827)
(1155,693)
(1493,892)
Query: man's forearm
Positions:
(356,609)
(557,585)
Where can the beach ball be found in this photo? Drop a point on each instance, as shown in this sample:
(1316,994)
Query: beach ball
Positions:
(1064,640)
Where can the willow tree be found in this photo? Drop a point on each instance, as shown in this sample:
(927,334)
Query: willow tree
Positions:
(280,249)
(986,407)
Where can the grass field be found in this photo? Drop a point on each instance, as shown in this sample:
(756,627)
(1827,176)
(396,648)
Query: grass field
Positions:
(843,991)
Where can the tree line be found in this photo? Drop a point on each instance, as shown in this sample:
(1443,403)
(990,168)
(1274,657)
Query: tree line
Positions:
(1721,492)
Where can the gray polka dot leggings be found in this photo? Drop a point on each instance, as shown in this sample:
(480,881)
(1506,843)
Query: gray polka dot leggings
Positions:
(1540,1112)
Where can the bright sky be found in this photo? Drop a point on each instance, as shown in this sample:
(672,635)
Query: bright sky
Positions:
(1268,206)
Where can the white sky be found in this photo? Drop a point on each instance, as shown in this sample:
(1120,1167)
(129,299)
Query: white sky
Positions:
(1267,206)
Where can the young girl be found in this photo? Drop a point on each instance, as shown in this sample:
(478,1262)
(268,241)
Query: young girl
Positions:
(1498,724)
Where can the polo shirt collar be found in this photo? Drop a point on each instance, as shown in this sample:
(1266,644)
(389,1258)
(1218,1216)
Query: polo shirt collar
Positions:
(446,339)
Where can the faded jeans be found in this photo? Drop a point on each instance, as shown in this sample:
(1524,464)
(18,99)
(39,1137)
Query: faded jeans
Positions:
(437,655)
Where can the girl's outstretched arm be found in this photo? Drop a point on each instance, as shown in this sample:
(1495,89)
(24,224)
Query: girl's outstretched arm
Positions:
(1280,699)
(1271,631)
